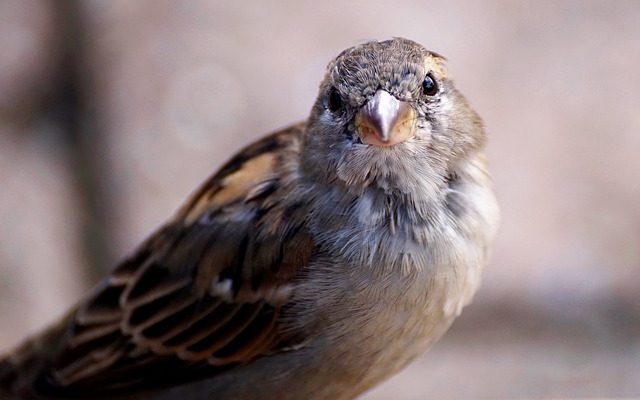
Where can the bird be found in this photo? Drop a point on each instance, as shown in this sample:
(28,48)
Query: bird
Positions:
(316,263)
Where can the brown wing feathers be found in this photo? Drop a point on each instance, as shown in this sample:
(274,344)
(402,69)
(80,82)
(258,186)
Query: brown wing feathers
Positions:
(207,289)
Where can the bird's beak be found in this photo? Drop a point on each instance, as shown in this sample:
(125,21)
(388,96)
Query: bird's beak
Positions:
(385,120)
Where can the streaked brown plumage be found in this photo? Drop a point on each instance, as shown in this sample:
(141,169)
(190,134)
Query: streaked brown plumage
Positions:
(315,263)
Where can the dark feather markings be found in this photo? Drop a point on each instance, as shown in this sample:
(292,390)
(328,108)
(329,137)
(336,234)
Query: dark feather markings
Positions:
(157,317)
(251,339)
(269,144)
(204,327)
(208,345)
(105,306)
(157,310)
(170,326)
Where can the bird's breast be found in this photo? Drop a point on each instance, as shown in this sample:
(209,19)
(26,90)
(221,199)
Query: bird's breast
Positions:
(372,322)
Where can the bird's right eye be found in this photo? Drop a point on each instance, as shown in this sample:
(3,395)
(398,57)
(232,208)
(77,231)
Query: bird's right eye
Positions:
(429,85)
(334,103)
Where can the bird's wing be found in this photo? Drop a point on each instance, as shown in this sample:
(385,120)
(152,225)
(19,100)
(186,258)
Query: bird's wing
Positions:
(205,292)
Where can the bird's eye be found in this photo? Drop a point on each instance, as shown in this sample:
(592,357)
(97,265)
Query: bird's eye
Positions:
(335,101)
(429,86)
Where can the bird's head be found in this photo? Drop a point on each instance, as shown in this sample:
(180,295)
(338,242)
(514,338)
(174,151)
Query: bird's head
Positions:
(387,114)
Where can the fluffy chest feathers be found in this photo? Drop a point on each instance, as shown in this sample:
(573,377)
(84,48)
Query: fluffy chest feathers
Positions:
(384,230)
(390,254)
(393,272)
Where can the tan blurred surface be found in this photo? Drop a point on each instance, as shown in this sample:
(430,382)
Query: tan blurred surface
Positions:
(175,87)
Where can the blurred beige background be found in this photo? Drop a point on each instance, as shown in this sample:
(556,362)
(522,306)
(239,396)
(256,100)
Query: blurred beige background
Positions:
(111,112)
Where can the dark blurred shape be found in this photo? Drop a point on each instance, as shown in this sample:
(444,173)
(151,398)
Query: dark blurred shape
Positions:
(30,54)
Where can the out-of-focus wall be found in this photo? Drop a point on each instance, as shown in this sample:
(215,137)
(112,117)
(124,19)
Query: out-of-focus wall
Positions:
(172,89)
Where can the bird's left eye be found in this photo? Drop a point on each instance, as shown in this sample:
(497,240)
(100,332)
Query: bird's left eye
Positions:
(334,103)
(429,85)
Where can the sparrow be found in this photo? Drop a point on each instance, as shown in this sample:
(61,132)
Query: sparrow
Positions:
(317,262)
